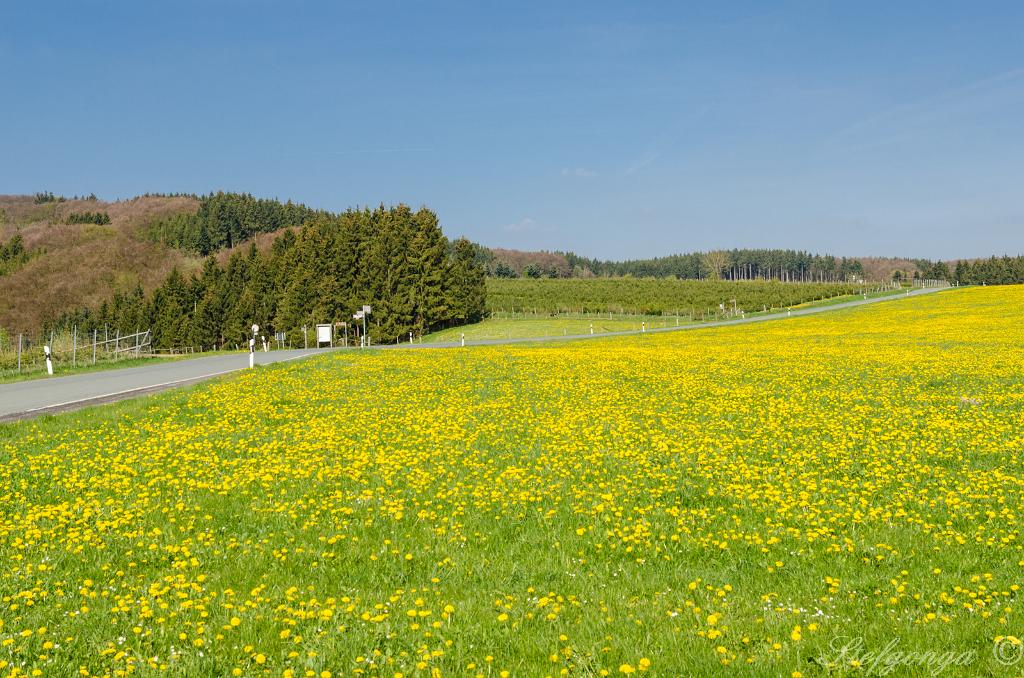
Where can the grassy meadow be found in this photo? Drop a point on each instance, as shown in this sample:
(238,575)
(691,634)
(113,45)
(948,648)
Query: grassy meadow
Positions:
(550,326)
(654,296)
(762,499)
(506,325)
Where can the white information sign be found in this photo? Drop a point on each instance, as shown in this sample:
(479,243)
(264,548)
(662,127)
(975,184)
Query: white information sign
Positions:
(323,334)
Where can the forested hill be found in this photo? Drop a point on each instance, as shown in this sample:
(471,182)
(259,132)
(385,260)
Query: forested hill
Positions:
(394,259)
(752,264)
(139,263)
(58,254)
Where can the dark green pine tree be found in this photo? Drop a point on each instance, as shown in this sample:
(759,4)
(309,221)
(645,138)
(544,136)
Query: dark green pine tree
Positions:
(237,321)
(205,330)
(294,309)
(429,257)
(466,291)
(168,313)
(386,271)
(260,286)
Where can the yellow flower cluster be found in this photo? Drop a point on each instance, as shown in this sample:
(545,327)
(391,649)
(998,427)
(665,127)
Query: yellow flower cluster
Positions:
(664,504)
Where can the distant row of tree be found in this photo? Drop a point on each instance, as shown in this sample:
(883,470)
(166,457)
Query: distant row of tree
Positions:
(99,218)
(745,264)
(47,196)
(992,271)
(737,264)
(394,259)
(226,219)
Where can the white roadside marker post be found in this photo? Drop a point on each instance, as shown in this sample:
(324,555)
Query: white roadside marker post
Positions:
(463,339)
(49,363)
(591,328)
(643,326)
(252,345)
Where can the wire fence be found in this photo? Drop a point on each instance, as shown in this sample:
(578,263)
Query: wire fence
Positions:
(24,353)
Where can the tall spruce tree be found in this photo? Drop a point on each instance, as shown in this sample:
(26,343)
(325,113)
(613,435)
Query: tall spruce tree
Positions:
(466,292)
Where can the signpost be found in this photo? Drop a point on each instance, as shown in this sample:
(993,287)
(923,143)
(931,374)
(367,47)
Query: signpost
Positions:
(361,315)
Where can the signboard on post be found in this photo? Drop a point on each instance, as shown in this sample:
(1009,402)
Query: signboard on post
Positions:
(324,335)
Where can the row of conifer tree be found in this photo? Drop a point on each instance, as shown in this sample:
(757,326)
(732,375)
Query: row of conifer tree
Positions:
(396,260)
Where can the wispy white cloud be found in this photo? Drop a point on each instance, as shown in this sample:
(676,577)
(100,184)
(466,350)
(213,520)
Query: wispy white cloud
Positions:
(578,172)
(902,120)
(644,160)
(664,143)
(524,225)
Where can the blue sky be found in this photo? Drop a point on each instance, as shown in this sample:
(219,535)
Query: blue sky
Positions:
(611,129)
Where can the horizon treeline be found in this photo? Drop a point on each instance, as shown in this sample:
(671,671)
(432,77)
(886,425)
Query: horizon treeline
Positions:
(393,259)
(744,264)
(738,264)
(992,271)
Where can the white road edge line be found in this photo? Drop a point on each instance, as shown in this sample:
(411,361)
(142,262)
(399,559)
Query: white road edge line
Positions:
(152,386)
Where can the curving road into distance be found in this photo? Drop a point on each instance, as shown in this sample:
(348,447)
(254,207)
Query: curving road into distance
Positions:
(27,399)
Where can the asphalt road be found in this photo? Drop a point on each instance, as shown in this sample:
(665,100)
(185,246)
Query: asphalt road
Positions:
(26,399)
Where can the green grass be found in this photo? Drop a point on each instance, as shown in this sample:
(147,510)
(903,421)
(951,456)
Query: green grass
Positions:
(503,326)
(652,296)
(518,328)
(737,500)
